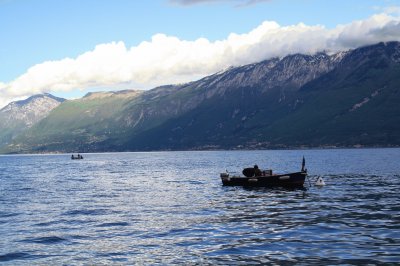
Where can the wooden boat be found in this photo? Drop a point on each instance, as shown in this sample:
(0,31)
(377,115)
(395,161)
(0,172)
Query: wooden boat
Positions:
(295,179)
(265,178)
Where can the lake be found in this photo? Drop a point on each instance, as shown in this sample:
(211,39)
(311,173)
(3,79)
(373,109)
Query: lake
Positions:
(170,208)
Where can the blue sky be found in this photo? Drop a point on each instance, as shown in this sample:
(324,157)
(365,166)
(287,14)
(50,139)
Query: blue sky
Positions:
(41,32)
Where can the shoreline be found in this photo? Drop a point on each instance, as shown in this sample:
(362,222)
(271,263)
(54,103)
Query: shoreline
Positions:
(209,150)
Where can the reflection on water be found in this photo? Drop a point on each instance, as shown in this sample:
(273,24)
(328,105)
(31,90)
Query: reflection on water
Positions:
(170,207)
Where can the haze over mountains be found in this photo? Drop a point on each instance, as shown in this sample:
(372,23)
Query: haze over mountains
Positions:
(343,100)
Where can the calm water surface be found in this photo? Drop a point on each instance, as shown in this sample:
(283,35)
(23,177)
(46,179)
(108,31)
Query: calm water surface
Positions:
(170,208)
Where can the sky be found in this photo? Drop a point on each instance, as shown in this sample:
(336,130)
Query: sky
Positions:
(71,47)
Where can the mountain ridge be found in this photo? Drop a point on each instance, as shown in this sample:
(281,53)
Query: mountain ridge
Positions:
(296,101)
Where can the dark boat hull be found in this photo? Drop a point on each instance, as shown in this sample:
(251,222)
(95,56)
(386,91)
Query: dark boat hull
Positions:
(283,180)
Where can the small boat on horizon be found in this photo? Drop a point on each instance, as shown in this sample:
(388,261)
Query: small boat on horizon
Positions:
(254,177)
(78,157)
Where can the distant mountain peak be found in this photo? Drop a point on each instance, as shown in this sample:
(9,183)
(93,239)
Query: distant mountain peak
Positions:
(18,116)
(36,97)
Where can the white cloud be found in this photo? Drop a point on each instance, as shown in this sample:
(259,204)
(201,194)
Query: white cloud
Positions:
(168,59)
(391,10)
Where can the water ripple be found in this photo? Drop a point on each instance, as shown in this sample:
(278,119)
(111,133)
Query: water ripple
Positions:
(170,208)
(47,240)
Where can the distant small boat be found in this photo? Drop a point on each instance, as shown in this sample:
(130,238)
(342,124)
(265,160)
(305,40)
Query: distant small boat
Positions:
(253,177)
(78,157)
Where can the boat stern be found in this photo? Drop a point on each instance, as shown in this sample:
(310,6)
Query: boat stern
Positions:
(225,178)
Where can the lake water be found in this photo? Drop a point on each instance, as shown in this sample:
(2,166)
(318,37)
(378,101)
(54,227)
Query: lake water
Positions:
(170,208)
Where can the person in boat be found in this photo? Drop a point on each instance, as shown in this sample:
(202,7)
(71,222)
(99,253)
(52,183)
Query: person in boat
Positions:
(257,171)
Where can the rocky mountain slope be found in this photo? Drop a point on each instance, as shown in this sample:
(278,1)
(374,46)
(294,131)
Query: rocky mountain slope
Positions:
(345,99)
(21,115)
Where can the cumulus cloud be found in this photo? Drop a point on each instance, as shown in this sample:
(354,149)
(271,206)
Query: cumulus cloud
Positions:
(168,59)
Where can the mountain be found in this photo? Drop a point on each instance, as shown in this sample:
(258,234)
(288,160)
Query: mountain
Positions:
(355,104)
(114,123)
(81,124)
(352,102)
(18,116)
(346,99)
